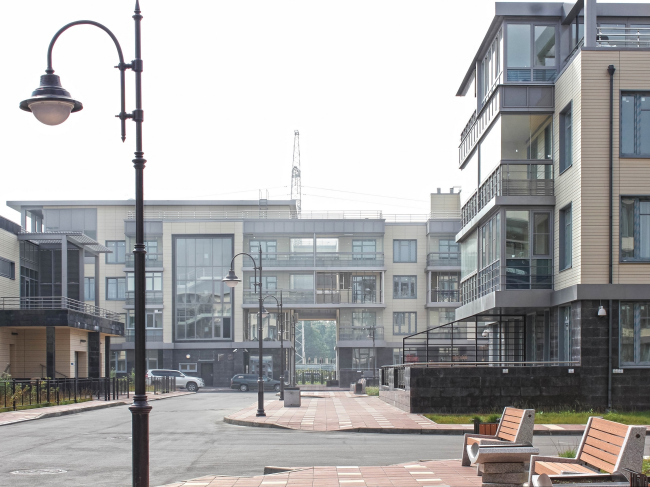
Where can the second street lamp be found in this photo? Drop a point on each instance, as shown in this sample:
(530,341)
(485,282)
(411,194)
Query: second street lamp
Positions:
(231,281)
(281,321)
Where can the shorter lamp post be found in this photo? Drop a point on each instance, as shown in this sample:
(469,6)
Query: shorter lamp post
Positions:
(231,281)
(281,320)
(372,330)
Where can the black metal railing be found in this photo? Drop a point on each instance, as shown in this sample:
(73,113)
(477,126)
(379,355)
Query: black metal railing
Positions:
(18,394)
(151,297)
(315,376)
(360,332)
(58,302)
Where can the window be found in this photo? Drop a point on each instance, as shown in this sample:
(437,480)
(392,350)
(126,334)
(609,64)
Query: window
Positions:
(363,358)
(564,335)
(404,287)
(151,247)
(269,283)
(635,229)
(301,281)
(7,268)
(364,249)
(153,281)
(187,368)
(541,233)
(530,47)
(115,288)
(635,124)
(404,323)
(363,289)
(118,248)
(635,333)
(525,137)
(269,248)
(566,139)
(397,356)
(363,319)
(151,359)
(405,251)
(469,255)
(89,288)
(301,244)
(444,287)
(566,239)
(118,362)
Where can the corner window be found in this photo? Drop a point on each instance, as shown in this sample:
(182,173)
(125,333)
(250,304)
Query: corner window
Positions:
(405,323)
(529,47)
(405,250)
(404,287)
(566,139)
(635,125)
(635,229)
(566,238)
(634,322)
(118,248)
(7,269)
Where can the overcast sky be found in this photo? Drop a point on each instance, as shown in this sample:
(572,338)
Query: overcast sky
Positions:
(370,85)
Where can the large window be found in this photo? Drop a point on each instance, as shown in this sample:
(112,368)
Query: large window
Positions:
(364,249)
(307,244)
(7,268)
(635,229)
(363,358)
(118,248)
(405,250)
(118,361)
(202,303)
(566,238)
(364,289)
(448,249)
(364,319)
(566,139)
(115,288)
(469,255)
(269,248)
(635,333)
(491,66)
(89,288)
(404,287)
(301,281)
(526,137)
(635,124)
(444,287)
(530,52)
(269,283)
(405,323)
(526,269)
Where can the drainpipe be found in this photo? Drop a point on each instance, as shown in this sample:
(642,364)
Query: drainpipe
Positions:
(610,69)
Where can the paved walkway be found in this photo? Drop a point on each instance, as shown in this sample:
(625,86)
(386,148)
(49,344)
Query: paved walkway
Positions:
(435,473)
(346,411)
(12,417)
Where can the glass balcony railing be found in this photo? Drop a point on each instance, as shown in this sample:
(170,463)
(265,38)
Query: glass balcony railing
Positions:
(153,335)
(445,296)
(323,296)
(152,297)
(150,260)
(361,332)
(443,259)
(321,259)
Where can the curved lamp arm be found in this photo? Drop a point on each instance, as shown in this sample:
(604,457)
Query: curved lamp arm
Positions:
(122,67)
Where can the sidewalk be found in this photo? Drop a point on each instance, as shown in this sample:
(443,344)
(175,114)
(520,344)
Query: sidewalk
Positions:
(345,411)
(12,417)
(434,473)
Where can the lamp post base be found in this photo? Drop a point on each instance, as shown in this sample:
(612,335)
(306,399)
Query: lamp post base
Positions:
(140,439)
(282,388)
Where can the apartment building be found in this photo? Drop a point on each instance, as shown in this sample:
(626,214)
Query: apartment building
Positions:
(376,278)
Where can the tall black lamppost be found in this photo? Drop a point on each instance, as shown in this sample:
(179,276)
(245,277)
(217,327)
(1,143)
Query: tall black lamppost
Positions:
(52,105)
(281,320)
(231,281)
(372,330)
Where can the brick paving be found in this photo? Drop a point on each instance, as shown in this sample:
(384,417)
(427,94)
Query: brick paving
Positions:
(434,473)
(346,411)
(12,417)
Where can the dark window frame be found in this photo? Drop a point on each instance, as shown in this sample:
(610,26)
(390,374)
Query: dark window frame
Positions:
(565,262)
(412,323)
(636,231)
(114,253)
(637,154)
(566,157)
(90,295)
(12,269)
(413,253)
(636,339)
(117,279)
(412,280)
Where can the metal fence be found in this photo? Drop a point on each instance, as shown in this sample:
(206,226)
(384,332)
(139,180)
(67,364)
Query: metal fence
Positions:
(314,376)
(18,394)
(58,302)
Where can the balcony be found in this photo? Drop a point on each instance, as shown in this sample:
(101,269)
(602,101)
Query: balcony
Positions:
(361,332)
(153,335)
(152,297)
(57,302)
(510,180)
(444,296)
(323,296)
(628,37)
(443,259)
(322,259)
(150,260)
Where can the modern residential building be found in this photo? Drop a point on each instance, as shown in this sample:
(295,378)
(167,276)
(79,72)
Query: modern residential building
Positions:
(555,237)
(376,278)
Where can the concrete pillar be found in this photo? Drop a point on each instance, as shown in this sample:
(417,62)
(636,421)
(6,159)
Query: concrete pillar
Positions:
(50,347)
(97,281)
(94,367)
(82,282)
(23,219)
(107,356)
(64,266)
(590,23)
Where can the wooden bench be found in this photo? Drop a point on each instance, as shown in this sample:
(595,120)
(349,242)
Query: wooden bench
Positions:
(605,445)
(515,428)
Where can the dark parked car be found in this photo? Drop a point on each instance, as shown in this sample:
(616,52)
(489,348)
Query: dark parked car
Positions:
(246,382)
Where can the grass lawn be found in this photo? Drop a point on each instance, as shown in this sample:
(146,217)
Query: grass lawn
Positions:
(562,417)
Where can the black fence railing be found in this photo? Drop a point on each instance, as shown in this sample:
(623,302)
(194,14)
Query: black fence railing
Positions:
(315,376)
(18,394)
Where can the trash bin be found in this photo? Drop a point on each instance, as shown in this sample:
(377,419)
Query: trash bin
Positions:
(292,397)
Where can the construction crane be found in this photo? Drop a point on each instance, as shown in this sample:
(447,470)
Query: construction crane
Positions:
(296,185)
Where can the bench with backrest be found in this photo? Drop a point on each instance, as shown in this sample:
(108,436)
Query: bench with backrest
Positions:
(605,446)
(515,428)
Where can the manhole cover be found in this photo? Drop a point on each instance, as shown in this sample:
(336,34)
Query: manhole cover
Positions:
(39,471)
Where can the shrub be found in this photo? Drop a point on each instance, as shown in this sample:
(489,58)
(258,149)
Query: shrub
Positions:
(372,391)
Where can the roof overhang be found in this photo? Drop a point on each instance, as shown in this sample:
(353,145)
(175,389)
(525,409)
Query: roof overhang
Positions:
(78,239)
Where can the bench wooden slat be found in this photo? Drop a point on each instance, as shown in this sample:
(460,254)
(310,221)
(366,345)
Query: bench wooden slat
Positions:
(506,429)
(555,468)
(603,445)
(609,427)
(510,424)
(601,454)
(597,462)
(507,436)
(510,417)
(601,435)
(517,413)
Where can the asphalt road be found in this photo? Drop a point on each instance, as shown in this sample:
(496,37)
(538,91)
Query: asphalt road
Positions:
(189,439)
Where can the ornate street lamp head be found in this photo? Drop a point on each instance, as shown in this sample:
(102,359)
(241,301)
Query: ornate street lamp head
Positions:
(231,279)
(50,103)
